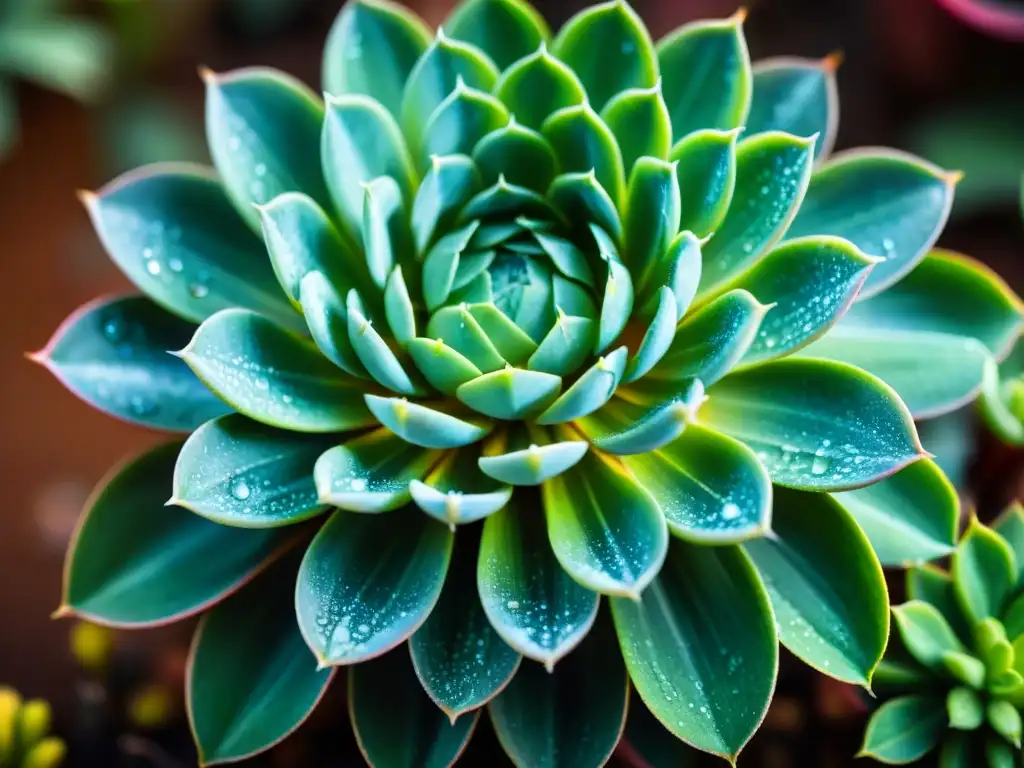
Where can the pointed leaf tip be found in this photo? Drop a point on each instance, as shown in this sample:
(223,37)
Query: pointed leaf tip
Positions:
(833,61)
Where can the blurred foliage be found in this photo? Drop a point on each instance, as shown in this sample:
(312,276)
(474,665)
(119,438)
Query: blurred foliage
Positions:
(25,740)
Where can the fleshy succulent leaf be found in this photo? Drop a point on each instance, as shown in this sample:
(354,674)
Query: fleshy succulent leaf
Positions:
(424,426)
(371,49)
(705,67)
(580,197)
(367,582)
(925,633)
(617,304)
(530,601)
(533,464)
(373,351)
(909,517)
(816,424)
(582,143)
(518,153)
(827,589)
(445,368)
(386,234)
(706,167)
(112,353)
(327,317)
(460,121)
(399,309)
(886,203)
(238,472)
(657,339)
(273,376)
(625,428)
(590,391)
(507,29)
(448,185)
(1010,527)
(129,546)
(537,86)
(679,271)
(641,124)
(652,216)
(984,572)
(702,634)
(905,729)
(511,393)
(934,586)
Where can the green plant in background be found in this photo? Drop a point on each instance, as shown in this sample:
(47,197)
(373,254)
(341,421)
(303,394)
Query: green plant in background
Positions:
(959,665)
(544,320)
(40,44)
(24,733)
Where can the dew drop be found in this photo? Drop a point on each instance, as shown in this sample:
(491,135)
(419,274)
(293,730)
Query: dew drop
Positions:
(730,511)
(153,267)
(240,490)
(198,291)
(820,465)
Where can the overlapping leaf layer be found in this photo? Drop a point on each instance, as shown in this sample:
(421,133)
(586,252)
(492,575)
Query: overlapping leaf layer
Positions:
(543,319)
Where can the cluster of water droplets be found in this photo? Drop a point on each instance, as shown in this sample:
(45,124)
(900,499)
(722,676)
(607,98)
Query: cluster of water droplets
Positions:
(245,144)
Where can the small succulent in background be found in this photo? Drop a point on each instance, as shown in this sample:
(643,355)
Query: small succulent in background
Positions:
(40,44)
(569,334)
(959,661)
(25,740)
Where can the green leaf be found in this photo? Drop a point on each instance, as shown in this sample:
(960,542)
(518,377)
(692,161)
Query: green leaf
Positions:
(1000,399)
(964,709)
(537,86)
(367,582)
(518,153)
(772,173)
(657,338)
(1010,526)
(625,428)
(327,318)
(372,472)
(263,130)
(112,353)
(197,257)
(461,331)
(371,49)
(984,572)
(617,304)
(608,46)
(534,464)
(606,529)
(702,634)
(251,680)
(926,633)
(374,353)
(679,271)
(580,197)
(590,391)
(999,754)
(909,517)
(705,66)
(935,587)
(129,546)
(424,426)
(507,29)
(511,393)
(435,76)
(810,282)
(887,203)
(1005,720)
(827,589)
(815,424)
(456,492)
(706,167)
(460,660)
(445,368)
(273,376)
(965,668)
(238,472)
(641,124)
(960,751)
(530,601)
(571,716)
(582,142)
(512,343)
(652,216)
(447,186)
(652,742)
(460,121)
(399,309)
(798,96)
(361,141)
(386,234)
(396,723)
(904,730)
(711,488)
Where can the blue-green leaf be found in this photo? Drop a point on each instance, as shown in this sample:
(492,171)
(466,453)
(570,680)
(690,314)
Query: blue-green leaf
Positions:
(679,271)
(984,572)
(624,428)
(398,308)
(641,124)
(445,368)
(447,186)
(459,330)
(537,86)
(511,393)
(460,121)
(507,29)
(581,198)
(582,142)
(518,153)
(327,318)
(590,391)
(904,730)
(386,234)
(652,217)
(424,426)
(456,492)
(706,167)
(532,464)
(617,304)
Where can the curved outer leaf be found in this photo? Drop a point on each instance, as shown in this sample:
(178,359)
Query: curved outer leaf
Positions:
(711,488)
(273,376)
(128,547)
(772,173)
(648,744)
(798,96)
(327,317)
(926,633)
(702,635)
(530,601)
(250,681)
(571,716)
(518,153)
(582,143)
(263,129)
(368,582)
(606,529)
(537,86)
(608,46)
(705,67)
(909,517)
(904,730)
(238,472)
(984,572)
(640,121)
(507,29)
(396,724)
(112,353)
(460,660)
(460,121)
(810,283)
(424,426)
(887,203)
(1010,526)
(197,256)
(827,589)
(932,585)
(371,49)
(706,167)
(815,424)
(1000,397)
(652,217)
(456,492)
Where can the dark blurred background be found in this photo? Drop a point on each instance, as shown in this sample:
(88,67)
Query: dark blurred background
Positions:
(104,85)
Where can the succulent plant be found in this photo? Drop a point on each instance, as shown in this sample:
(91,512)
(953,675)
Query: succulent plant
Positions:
(24,733)
(543,320)
(959,665)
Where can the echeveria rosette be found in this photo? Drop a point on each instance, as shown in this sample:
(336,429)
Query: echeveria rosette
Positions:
(953,679)
(533,329)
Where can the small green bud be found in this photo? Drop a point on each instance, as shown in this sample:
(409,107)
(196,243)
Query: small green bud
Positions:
(965,668)
(1006,683)
(1014,392)
(1005,720)
(999,754)
(48,753)
(993,646)
(10,703)
(964,709)
(34,722)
